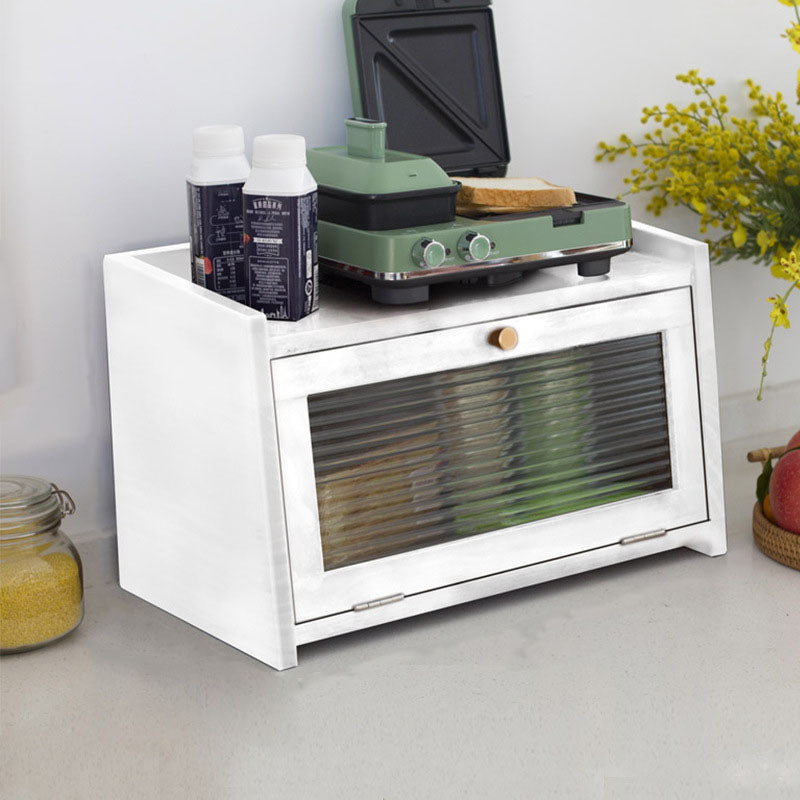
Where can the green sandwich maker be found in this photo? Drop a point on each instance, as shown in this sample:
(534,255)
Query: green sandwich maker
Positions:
(429,108)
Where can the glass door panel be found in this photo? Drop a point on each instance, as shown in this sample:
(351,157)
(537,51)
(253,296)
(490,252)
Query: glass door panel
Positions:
(461,452)
(421,461)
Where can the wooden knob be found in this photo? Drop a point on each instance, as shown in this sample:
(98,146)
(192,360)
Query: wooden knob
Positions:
(504,338)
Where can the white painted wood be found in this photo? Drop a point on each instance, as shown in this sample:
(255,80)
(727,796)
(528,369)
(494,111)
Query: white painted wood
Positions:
(468,345)
(200,496)
(199,509)
(413,605)
(348,318)
(709,539)
(319,593)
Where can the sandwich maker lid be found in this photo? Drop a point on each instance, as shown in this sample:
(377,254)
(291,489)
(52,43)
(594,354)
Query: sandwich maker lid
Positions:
(429,69)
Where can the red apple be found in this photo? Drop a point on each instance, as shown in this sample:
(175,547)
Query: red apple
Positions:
(784,491)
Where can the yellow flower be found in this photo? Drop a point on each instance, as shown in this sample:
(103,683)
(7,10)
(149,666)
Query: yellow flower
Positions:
(698,205)
(738,174)
(779,313)
(793,35)
(765,240)
(791,267)
(777,269)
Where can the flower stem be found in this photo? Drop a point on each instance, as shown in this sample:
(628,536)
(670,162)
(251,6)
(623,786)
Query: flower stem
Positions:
(768,343)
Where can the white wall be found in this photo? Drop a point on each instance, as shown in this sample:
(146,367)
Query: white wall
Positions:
(99,99)
(580,71)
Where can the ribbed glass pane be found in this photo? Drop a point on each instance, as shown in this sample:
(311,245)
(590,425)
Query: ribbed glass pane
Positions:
(415,462)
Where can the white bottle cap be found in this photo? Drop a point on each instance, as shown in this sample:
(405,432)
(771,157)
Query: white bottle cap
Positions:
(279,150)
(212,141)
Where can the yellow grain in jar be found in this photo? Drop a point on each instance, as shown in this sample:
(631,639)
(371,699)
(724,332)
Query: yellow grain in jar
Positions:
(41,582)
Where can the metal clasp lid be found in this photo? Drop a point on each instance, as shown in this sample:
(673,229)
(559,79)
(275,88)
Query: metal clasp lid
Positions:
(65,501)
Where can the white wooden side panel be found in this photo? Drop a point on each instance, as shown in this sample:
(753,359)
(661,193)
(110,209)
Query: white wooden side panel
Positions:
(198,491)
(710,538)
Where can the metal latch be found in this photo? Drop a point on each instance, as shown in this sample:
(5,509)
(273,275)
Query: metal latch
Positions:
(381,601)
(64,500)
(643,537)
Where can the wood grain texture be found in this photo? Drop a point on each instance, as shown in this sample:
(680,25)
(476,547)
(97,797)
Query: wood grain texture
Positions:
(346,318)
(199,506)
(765,454)
(319,592)
(200,493)
(710,539)
(447,596)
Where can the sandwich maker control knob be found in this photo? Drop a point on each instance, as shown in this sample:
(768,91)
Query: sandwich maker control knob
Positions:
(474,247)
(428,253)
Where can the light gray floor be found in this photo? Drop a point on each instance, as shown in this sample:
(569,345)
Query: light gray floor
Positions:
(673,676)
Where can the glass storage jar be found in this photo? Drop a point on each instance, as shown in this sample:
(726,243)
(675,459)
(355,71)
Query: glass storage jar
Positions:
(41,577)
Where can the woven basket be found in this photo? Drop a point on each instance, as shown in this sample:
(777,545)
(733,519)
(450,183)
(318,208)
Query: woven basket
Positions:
(775,542)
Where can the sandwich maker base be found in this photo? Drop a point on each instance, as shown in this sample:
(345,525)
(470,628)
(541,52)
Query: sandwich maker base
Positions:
(387,260)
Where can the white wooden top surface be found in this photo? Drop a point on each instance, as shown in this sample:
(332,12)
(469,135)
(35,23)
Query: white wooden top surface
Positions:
(658,261)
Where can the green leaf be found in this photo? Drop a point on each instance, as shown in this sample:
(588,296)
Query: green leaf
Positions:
(762,484)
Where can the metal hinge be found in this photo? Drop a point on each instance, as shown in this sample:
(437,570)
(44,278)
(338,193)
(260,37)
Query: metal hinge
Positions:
(381,601)
(642,537)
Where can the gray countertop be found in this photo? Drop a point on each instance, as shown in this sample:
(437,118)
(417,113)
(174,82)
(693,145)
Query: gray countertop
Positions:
(676,675)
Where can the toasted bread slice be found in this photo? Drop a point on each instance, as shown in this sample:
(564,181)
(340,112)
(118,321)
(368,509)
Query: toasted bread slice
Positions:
(472,209)
(522,194)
